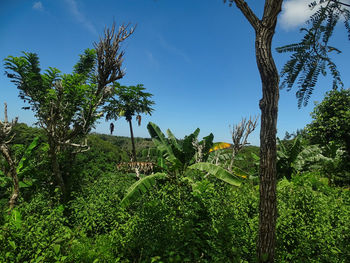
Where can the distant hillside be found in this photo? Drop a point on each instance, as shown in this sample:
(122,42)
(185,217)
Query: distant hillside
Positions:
(118,146)
(124,142)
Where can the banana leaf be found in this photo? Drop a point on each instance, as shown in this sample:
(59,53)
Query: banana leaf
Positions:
(140,187)
(218,172)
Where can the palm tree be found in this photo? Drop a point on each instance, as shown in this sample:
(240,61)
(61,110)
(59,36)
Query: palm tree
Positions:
(128,102)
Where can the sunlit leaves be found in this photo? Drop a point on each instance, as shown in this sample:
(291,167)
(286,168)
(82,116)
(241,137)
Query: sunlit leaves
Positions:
(128,101)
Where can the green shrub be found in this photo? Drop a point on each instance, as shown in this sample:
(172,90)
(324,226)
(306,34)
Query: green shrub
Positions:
(95,209)
(313,223)
(92,249)
(174,224)
(29,235)
(177,221)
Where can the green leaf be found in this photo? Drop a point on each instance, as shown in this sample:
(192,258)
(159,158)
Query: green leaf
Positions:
(140,187)
(26,155)
(239,172)
(56,248)
(218,172)
(161,162)
(16,218)
(25,184)
(159,139)
(4,181)
(12,244)
(39,259)
(173,140)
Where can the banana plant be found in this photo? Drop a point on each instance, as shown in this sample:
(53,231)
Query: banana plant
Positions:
(298,157)
(176,155)
(327,159)
(180,157)
(143,185)
(287,156)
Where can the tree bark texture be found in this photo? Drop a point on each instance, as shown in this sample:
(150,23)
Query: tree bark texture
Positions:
(13,173)
(265,30)
(268,150)
(132,142)
(268,175)
(55,166)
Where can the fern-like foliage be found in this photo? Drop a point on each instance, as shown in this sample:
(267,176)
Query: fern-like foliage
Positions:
(311,56)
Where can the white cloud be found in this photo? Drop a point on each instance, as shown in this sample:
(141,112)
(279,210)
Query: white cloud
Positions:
(38,6)
(295,13)
(73,7)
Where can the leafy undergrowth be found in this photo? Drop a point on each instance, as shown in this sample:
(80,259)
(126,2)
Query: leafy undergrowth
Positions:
(176,223)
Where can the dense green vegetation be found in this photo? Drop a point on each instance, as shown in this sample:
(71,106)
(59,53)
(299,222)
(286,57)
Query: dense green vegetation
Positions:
(67,195)
(199,218)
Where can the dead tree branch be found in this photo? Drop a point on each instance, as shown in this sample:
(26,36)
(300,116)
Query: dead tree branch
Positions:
(5,139)
(240,133)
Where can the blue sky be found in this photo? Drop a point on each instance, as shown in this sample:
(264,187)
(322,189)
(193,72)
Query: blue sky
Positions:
(196,57)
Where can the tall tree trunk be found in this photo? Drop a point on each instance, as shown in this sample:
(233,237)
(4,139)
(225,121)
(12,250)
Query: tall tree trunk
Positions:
(268,175)
(13,173)
(56,167)
(132,141)
(264,31)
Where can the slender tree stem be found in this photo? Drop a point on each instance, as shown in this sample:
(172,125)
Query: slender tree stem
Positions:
(132,141)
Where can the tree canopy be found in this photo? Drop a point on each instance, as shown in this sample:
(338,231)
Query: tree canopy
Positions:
(67,105)
(331,119)
(128,101)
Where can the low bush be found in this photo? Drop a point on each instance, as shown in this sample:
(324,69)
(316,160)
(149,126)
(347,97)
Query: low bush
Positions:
(35,231)
(314,221)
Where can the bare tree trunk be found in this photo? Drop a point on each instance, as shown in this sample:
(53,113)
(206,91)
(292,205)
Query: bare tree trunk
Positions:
(6,153)
(5,139)
(132,141)
(268,175)
(264,32)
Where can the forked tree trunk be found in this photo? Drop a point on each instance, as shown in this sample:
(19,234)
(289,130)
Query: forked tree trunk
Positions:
(13,173)
(132,141)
